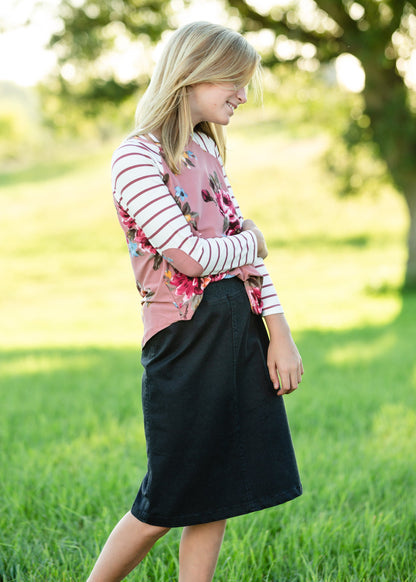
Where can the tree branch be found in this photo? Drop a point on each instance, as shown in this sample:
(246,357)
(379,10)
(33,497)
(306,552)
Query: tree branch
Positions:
(337,12)
(253,21)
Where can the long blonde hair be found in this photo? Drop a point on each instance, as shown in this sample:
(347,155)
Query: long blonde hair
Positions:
(200,52)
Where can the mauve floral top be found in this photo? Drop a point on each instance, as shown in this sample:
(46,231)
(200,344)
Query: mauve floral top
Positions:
(183,231)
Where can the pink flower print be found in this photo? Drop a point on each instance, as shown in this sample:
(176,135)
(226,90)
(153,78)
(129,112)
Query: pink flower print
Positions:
(189,286)
(224,201)
(142,242)
(188,289)
(225,204)
(139,245)
(126,219)
(253,289)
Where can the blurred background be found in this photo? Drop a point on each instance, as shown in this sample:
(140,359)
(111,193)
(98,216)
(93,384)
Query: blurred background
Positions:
(336,130)
(325,164)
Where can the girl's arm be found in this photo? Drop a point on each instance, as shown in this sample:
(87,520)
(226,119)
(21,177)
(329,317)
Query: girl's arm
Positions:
(283,358)
(139,189)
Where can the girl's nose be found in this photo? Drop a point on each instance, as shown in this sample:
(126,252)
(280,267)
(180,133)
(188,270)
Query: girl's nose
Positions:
(242,95)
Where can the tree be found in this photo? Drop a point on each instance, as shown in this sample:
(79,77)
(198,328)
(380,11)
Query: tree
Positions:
(381,34)
(92,35)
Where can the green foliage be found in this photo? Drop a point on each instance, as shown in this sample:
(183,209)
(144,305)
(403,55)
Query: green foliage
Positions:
(307,101)
(20,125)
(13,125)
(87,44)
(380,35)
(355,162)
(92,26)
(84,118)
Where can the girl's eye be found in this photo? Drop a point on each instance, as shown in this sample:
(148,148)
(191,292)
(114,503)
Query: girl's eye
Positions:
(238,87)
(231,86)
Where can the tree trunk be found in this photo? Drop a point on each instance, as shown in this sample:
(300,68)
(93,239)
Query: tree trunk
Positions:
(410,278)
(393,128)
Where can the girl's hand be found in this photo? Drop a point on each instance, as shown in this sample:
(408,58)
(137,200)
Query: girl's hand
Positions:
(261,242)
(283,358)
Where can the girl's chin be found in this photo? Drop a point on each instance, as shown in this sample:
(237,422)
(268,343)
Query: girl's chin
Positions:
(222,121)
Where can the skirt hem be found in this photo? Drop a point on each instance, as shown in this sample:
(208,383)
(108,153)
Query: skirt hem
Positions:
(219,514)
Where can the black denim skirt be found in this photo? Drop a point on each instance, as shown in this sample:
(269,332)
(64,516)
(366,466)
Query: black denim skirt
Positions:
(217,436)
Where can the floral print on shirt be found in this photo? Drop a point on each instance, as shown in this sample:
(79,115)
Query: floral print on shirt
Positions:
(232,225)
(180,199)
(187,291)
(225,205)
(188,159)
(191,288)
(137,242)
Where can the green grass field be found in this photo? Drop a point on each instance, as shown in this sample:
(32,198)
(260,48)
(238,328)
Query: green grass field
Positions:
(72,444)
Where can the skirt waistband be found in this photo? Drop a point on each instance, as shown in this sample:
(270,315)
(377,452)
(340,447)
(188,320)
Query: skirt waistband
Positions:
(228,287)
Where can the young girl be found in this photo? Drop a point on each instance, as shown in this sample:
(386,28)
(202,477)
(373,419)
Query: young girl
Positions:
(218,442)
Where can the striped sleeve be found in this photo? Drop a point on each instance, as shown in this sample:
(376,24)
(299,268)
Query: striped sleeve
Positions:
(139,189)
(271,303)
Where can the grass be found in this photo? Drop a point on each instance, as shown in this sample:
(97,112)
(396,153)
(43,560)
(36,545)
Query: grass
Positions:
(73,450)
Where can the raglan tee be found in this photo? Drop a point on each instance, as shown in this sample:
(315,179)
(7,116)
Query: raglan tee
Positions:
(183,230)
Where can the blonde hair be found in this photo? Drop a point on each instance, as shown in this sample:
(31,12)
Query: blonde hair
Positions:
(200,52)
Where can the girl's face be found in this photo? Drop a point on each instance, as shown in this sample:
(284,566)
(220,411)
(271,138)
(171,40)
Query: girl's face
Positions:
(215,102)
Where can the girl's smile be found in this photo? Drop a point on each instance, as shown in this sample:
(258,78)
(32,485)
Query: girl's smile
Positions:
(215,102)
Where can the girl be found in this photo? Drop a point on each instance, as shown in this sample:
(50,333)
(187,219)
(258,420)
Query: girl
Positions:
(218,442)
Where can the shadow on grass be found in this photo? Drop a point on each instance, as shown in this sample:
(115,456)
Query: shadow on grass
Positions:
(73,445)
(351,373)
(325,241)
(70,386)
(354,371)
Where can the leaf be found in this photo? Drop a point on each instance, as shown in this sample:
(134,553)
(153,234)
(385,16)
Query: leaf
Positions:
(206,196)
(157,261)
(131,234)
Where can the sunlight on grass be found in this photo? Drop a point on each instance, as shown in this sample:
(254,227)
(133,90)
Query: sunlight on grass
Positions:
(68,279)
(102,441)
(362,351)
(33,364)
(394,430)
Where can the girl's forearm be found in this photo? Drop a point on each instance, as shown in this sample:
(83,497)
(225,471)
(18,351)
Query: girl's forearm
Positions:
(277,325)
